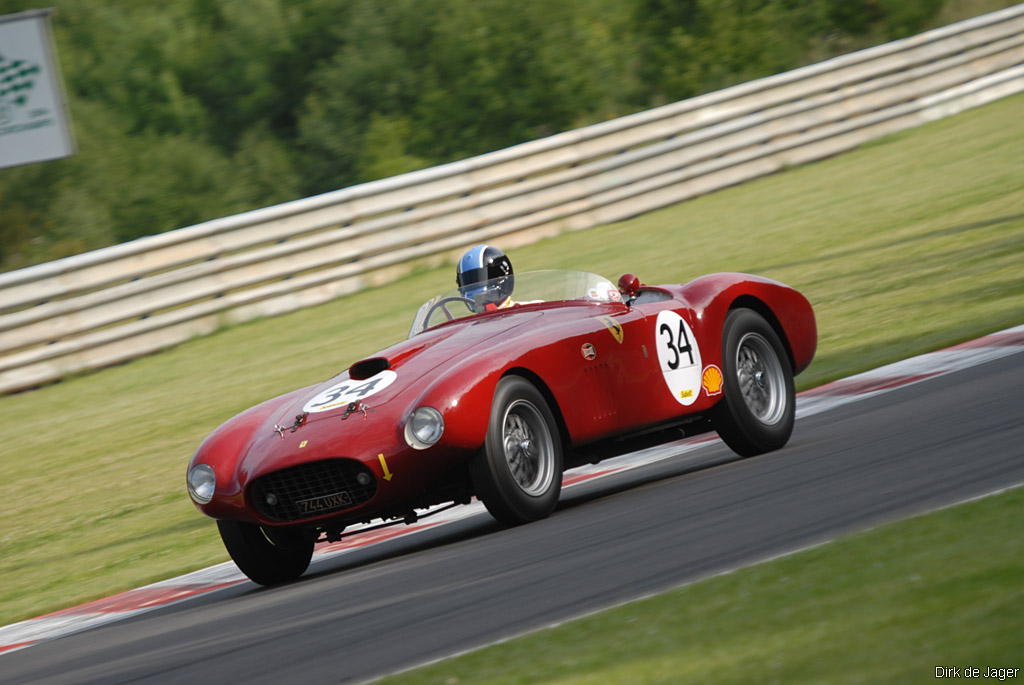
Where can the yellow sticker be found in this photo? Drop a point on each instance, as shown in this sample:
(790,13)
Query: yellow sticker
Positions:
(685,394)
(303,444)
(613,326)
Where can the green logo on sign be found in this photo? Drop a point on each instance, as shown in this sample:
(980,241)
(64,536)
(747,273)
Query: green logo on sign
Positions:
(17,78)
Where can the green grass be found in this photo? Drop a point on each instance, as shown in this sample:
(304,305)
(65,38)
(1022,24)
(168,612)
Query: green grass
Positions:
(912,243)
(884,606)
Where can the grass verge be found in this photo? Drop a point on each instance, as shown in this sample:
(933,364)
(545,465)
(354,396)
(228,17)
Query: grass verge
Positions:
(884,606)
(906,245)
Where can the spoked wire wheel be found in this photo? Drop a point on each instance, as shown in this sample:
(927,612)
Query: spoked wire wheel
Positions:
(518,473)
(762,380)
(528,447)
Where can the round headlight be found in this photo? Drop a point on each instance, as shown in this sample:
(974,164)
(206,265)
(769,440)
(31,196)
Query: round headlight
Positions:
(201,483)
(424,428)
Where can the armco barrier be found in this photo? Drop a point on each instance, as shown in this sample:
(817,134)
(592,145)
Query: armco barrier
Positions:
(124,301)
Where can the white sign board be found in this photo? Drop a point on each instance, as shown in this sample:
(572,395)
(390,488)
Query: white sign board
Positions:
(34,126)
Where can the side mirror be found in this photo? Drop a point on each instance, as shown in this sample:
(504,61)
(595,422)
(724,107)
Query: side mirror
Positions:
(629,286)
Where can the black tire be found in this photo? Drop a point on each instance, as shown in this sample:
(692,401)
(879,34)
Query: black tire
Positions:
(758,407)
(270,557)
(518,473)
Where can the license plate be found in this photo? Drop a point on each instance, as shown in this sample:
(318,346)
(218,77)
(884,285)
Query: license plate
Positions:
(316,505)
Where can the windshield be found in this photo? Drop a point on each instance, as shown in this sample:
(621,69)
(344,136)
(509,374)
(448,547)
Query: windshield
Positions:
(530,287)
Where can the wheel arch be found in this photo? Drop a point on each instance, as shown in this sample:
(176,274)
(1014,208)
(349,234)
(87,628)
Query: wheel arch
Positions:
(536,381)
(761,307)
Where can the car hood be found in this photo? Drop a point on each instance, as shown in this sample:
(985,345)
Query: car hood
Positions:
(400,368)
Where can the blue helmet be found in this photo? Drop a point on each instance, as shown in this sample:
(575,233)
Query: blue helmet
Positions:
(484,275)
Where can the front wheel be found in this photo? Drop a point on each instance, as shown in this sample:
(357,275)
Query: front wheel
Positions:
(757,411)
(267,557)
(518,473)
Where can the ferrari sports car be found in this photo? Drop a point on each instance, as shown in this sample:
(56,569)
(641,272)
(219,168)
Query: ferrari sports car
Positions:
(494,396)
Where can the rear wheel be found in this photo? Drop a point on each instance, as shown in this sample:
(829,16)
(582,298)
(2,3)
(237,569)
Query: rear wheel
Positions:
(518,473)
(266,556)
(758,408)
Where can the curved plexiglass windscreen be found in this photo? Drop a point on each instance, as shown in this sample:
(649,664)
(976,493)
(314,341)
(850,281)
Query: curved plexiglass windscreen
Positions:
(531,287)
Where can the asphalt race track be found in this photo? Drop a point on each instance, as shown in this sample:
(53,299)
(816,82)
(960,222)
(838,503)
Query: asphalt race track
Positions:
(471,582)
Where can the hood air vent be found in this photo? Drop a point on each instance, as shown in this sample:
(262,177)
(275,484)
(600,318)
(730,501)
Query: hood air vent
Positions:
(368,368)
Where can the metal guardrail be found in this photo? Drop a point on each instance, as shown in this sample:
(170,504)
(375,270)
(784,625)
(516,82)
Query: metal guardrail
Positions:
(128,300)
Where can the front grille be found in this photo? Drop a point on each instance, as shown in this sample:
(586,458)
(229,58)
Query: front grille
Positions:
(313,489)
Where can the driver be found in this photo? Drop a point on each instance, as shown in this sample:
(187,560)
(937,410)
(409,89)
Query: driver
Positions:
(484,275)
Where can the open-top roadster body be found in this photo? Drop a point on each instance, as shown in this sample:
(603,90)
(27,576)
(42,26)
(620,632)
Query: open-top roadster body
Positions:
(498,402)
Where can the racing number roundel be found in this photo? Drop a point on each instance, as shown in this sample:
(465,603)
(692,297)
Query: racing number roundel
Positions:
(341,394)
(679,356)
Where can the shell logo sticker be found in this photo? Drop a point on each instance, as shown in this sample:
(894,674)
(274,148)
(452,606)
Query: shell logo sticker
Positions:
(342,393)
(678,356)
(614,327)
(588,351)
(712,380)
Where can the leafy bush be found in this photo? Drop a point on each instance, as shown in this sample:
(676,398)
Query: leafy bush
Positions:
(187,111)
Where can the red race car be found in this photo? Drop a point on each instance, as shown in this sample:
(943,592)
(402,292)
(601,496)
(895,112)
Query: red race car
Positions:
(495,397)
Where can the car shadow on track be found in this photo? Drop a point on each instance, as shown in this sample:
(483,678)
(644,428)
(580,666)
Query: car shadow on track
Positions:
(707,457)
(450,533)
(482,525)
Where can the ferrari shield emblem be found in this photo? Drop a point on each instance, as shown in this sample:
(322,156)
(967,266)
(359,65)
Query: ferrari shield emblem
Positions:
(614,327)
